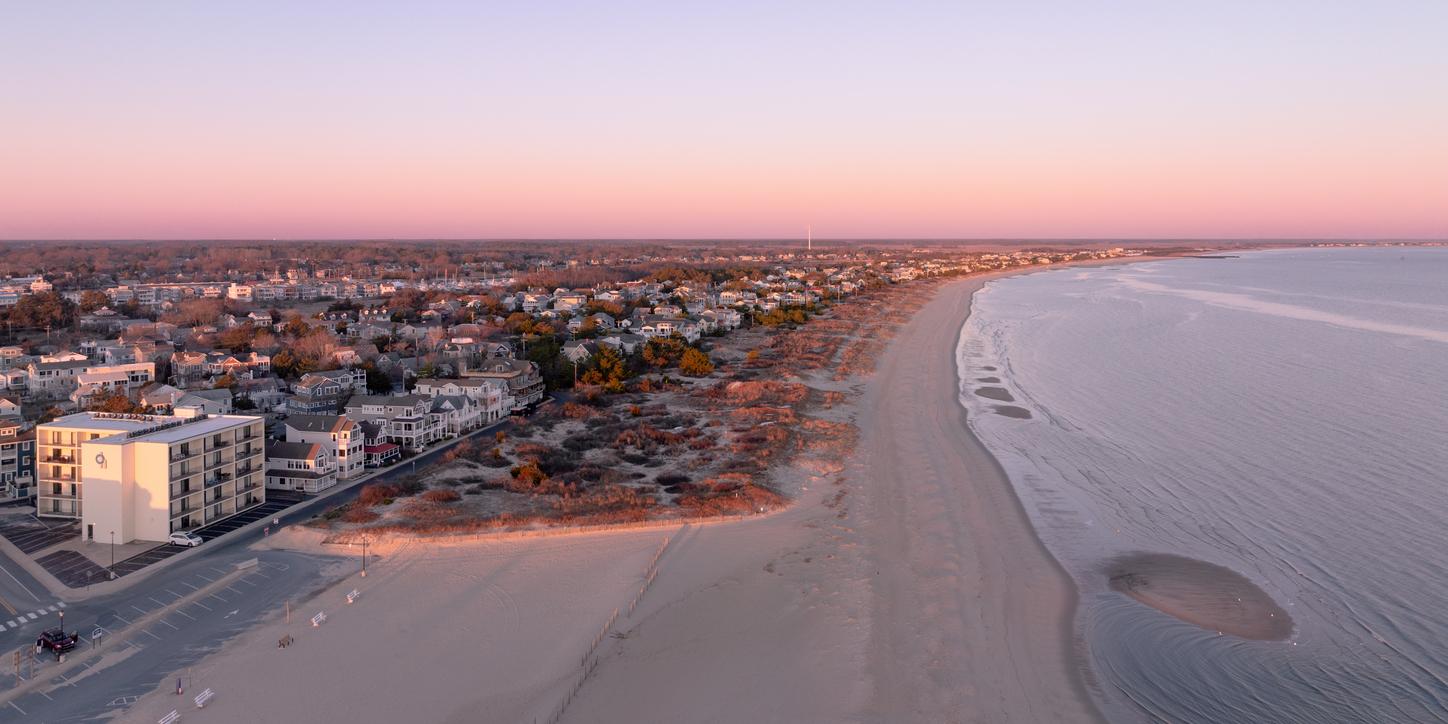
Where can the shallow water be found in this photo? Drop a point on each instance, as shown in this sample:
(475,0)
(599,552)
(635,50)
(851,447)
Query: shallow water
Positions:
(1281,415)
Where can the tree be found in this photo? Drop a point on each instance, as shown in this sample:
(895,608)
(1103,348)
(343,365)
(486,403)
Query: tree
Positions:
(695,363)
(378,383)
(46,309)
(224,382)
(115,402)
(607,370)
(91,300)
(663,351)
(296,327)
(238,338)
(243,403)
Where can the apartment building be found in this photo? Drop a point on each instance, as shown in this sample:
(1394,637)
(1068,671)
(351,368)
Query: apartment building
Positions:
(144,477)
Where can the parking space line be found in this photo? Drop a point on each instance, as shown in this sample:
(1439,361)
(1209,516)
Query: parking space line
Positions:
(198,603)
(124,621)
(208,580)
(219,598)
(194,588)
(148,633)
(142,611)
(187,615)
(173,593)
(174,627)
(233,590)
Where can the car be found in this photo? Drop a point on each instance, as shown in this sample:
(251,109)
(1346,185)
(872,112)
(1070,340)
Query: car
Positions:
(54,639)
(184,538)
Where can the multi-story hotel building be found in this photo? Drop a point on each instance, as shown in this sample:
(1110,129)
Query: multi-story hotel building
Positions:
(144,477)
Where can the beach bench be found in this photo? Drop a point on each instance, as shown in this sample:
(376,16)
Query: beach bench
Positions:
(171,718)
(204,697)
(353,596)
(319,619)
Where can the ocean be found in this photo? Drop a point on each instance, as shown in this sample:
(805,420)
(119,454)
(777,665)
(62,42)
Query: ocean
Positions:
(1283,415)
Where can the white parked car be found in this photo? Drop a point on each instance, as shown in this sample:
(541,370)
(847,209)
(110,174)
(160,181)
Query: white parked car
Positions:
(183,538)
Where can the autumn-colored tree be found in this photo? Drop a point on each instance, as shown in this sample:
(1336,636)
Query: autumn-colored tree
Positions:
(606,370)
(92,299)
(695,363)
(108,401)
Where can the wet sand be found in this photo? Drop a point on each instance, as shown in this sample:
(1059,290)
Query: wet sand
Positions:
(1200,593)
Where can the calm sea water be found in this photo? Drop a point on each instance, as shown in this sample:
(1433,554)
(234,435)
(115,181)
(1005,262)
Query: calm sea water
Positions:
(1283,414)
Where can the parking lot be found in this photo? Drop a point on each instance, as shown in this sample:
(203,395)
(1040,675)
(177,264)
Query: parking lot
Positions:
(30,535)
(72,568)
(209,533)
(266,510)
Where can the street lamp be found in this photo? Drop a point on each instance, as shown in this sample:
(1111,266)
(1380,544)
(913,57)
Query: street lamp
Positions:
(113,555)
(62,623)
(364,556)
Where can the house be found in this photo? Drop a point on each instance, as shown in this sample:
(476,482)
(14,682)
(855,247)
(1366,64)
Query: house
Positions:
(215,402)
(17,458)
(265,393)
(456,414)
(625,344)
(525,383)
(54,379)
(408,418)
(491,395)
(9,409)
(379,452)
(305,467)
(322,392)
(342,435)
(579,351)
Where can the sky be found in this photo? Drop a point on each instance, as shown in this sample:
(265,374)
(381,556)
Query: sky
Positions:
(740,119)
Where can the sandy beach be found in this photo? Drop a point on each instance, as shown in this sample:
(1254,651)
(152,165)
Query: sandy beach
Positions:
(908,587)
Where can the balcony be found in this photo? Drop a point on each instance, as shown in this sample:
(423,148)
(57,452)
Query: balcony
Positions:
(179,455)
(219,443)
(217,479)
(62,459)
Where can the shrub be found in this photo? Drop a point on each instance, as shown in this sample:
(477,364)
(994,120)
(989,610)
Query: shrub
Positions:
(442,496)
(375,494)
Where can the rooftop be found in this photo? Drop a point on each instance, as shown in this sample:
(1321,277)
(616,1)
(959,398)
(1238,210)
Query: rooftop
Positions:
(150,428)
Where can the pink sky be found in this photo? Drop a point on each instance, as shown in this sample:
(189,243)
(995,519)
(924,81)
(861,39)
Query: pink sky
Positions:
(209,123)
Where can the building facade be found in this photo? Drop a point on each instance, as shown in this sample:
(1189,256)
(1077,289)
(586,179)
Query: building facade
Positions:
(143,477)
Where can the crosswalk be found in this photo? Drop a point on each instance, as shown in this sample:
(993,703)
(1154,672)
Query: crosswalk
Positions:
(26,617)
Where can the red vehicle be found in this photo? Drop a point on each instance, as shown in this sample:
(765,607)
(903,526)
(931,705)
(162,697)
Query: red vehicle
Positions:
(56,640)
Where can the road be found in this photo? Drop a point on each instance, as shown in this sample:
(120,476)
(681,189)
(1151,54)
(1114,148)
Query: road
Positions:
(179,638)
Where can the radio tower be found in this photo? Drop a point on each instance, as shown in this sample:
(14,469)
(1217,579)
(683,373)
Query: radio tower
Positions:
(809,238)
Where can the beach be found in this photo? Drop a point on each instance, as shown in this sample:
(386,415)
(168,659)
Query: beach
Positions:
(906,586)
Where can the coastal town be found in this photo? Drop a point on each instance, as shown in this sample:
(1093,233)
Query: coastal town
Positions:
(333,377)
(155,430)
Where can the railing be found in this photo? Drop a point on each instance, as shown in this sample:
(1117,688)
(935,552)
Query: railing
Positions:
(180,455)
(66,459)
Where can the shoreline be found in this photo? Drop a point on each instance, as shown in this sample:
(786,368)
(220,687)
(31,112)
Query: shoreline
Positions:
(972,528)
